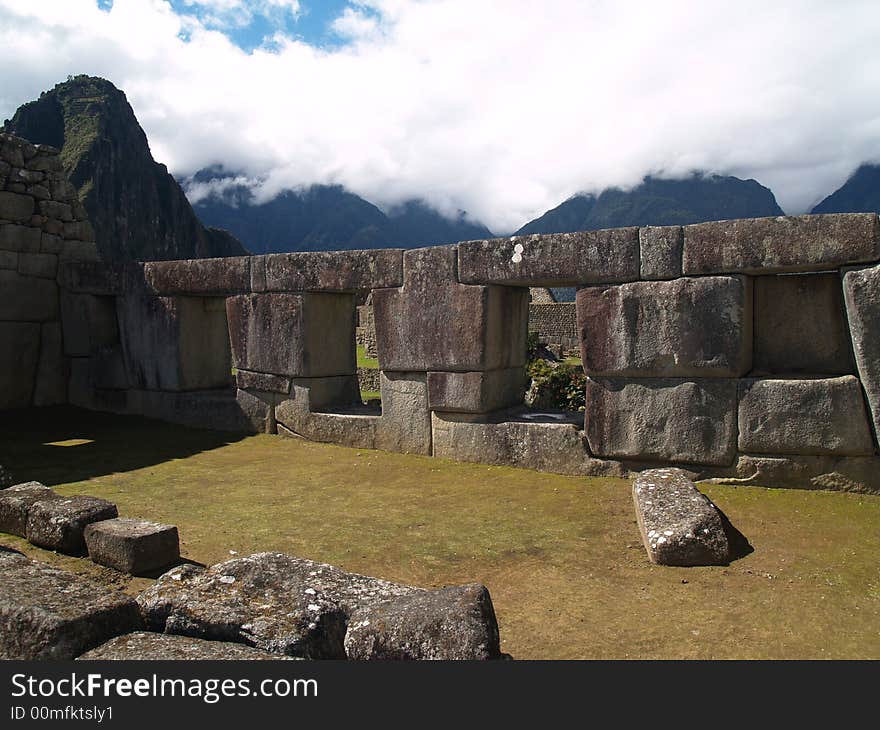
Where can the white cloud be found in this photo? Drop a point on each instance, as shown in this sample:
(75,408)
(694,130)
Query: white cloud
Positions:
(503,108)
(226,14)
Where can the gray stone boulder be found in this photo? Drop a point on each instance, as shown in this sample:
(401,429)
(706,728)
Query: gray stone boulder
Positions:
(272,601)
(149,646)
(16,502)
(678,524)
(450,623)
(132,546)
(59,524)
(46,613)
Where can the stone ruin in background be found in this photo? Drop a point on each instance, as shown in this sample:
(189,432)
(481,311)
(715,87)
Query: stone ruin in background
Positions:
(740,350)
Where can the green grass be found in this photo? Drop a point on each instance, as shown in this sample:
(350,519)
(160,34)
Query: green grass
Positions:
(560,555)
(370,363)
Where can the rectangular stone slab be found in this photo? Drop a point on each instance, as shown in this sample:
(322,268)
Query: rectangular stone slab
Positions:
(327,271)
(781,244)
(58,524)
(660,250)
(230,275)
(15,504)
(46,613)
(555,259)
(862,296)
(682,328)
(821,416)
(132,546)
(668,420)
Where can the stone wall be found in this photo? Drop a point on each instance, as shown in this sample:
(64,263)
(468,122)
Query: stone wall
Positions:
(555,324)
(42,224)
(739,350)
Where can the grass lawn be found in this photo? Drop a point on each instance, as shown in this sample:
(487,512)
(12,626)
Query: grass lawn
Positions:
(560,555)
(363,361)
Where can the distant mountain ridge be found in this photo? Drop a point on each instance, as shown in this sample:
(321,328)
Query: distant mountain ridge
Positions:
(859,194)
(659,202)
(323,217)
(137,209)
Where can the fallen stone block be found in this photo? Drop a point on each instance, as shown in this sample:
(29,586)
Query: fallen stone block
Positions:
(781,244)
(59,524)
(272,601)
(16,502)
(132,546)
(815,416)
(46,613)
(699,327)
(149,646)
(450,623)
(678,524)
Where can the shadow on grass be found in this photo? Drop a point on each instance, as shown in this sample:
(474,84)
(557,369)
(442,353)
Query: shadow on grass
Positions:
(739,543)
(61,444)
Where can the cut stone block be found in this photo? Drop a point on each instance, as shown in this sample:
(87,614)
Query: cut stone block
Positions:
(296,416)
(15,207)
(231,275)
(800,326)
(92,277)
(405,425)
(132,546)
(862,296)
(327,271)
(781,244)
(683,328)
(666,420)
(476,392)
(221,410)
(27,298)
(44,265)
(19,354)
(46,613)
(435,323)
(248,380)
(16,502)
(272,601)
(823,416)
(294,335)
(679,525)
(556,259)
(149,646)
(20,238)
(660,250)
(456,623)
(58,524)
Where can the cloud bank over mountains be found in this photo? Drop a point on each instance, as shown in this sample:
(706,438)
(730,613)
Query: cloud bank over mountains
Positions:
(501,108)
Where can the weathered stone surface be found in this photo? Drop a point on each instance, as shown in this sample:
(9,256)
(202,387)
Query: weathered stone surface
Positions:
(246,379)
(823,416)
(92,277)
(19,353)
(107,368)
(297,335)
(679,525)
(58,524)
(46,613)
(556,259)
(15,207)
(271,601)
(435,323)
(447,624)
(682,328)
(862,296)
(405,426)
(327,271)
(666,420)
(9,260)
(26,298)
(43,265)
(174,343)
(476,392)
(19,238)
(51,244)
(54,209)
(297,415)
(550,442)
(132,546)
(222,410)
(199,276)
(50,387)
(840,473)
(15,504)
(89,323)
(660,250)
(150,646)
(781,244)
(800,326)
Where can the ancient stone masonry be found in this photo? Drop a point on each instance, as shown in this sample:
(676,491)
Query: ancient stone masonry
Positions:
(737,350)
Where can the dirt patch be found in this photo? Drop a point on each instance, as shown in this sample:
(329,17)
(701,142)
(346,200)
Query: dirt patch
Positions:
(560,555)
